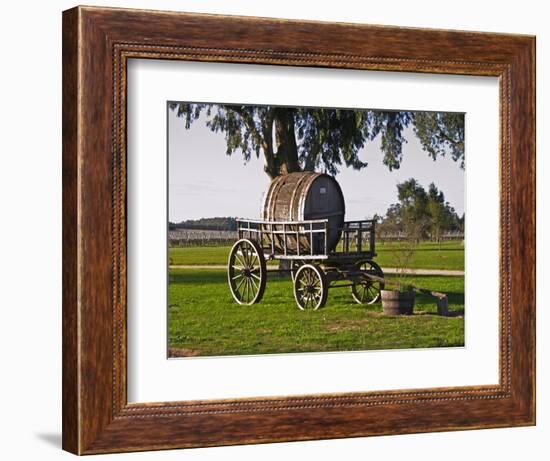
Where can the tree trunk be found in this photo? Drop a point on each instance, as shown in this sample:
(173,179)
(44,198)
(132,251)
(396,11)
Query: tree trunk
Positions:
(286,155)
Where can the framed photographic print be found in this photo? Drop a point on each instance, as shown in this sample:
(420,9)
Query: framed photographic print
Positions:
(281,230)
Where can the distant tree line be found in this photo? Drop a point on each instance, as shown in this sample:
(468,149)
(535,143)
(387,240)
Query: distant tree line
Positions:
(217,223)
(420,214)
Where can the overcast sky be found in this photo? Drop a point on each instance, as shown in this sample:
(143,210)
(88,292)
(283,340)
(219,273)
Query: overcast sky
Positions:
(204,182)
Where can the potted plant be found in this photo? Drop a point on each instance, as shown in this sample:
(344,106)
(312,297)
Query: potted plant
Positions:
(400,299)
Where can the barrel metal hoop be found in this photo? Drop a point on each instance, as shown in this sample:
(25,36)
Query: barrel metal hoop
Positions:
(298,214)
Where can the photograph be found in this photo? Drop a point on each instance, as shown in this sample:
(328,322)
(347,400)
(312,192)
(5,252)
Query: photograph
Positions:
(307,229)
(297,229)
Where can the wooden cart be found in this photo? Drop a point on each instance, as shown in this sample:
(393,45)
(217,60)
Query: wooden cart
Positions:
(314,266)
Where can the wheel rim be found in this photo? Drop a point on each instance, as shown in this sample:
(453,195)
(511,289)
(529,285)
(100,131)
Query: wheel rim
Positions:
(246,272)
(368,291)
(309,288)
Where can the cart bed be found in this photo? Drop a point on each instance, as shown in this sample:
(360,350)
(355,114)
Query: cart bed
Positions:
(307,240)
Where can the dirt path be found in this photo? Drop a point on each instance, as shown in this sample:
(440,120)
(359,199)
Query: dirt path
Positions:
(387,270)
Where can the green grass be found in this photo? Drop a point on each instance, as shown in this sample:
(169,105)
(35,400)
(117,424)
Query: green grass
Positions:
(200,255)
(204,320)
(428,256)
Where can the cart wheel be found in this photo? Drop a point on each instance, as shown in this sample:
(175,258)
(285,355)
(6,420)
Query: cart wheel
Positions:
(246,272)
(310,287)
(367,291)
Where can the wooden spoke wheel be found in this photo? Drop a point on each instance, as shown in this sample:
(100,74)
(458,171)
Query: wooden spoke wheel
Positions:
(294,266)
(365,290)
(246,272)
(310,287)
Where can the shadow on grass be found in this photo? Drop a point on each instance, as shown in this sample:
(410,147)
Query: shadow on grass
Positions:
(393,250)
(198,276)
(207,276)
(455,298)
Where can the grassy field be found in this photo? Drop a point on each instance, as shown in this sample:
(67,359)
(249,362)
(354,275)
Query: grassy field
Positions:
(204,320)
(450,255)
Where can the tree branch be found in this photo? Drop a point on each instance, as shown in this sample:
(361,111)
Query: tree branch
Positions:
(249,122)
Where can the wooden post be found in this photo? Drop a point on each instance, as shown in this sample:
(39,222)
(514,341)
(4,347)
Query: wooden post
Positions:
(443,306)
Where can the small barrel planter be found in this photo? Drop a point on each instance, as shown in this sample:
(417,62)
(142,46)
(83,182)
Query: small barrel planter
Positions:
(395,302)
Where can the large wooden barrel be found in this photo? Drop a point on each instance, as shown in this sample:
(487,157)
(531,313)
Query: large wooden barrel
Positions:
(305,196)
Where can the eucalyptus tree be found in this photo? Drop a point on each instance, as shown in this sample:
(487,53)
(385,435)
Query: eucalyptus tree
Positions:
(294,139)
